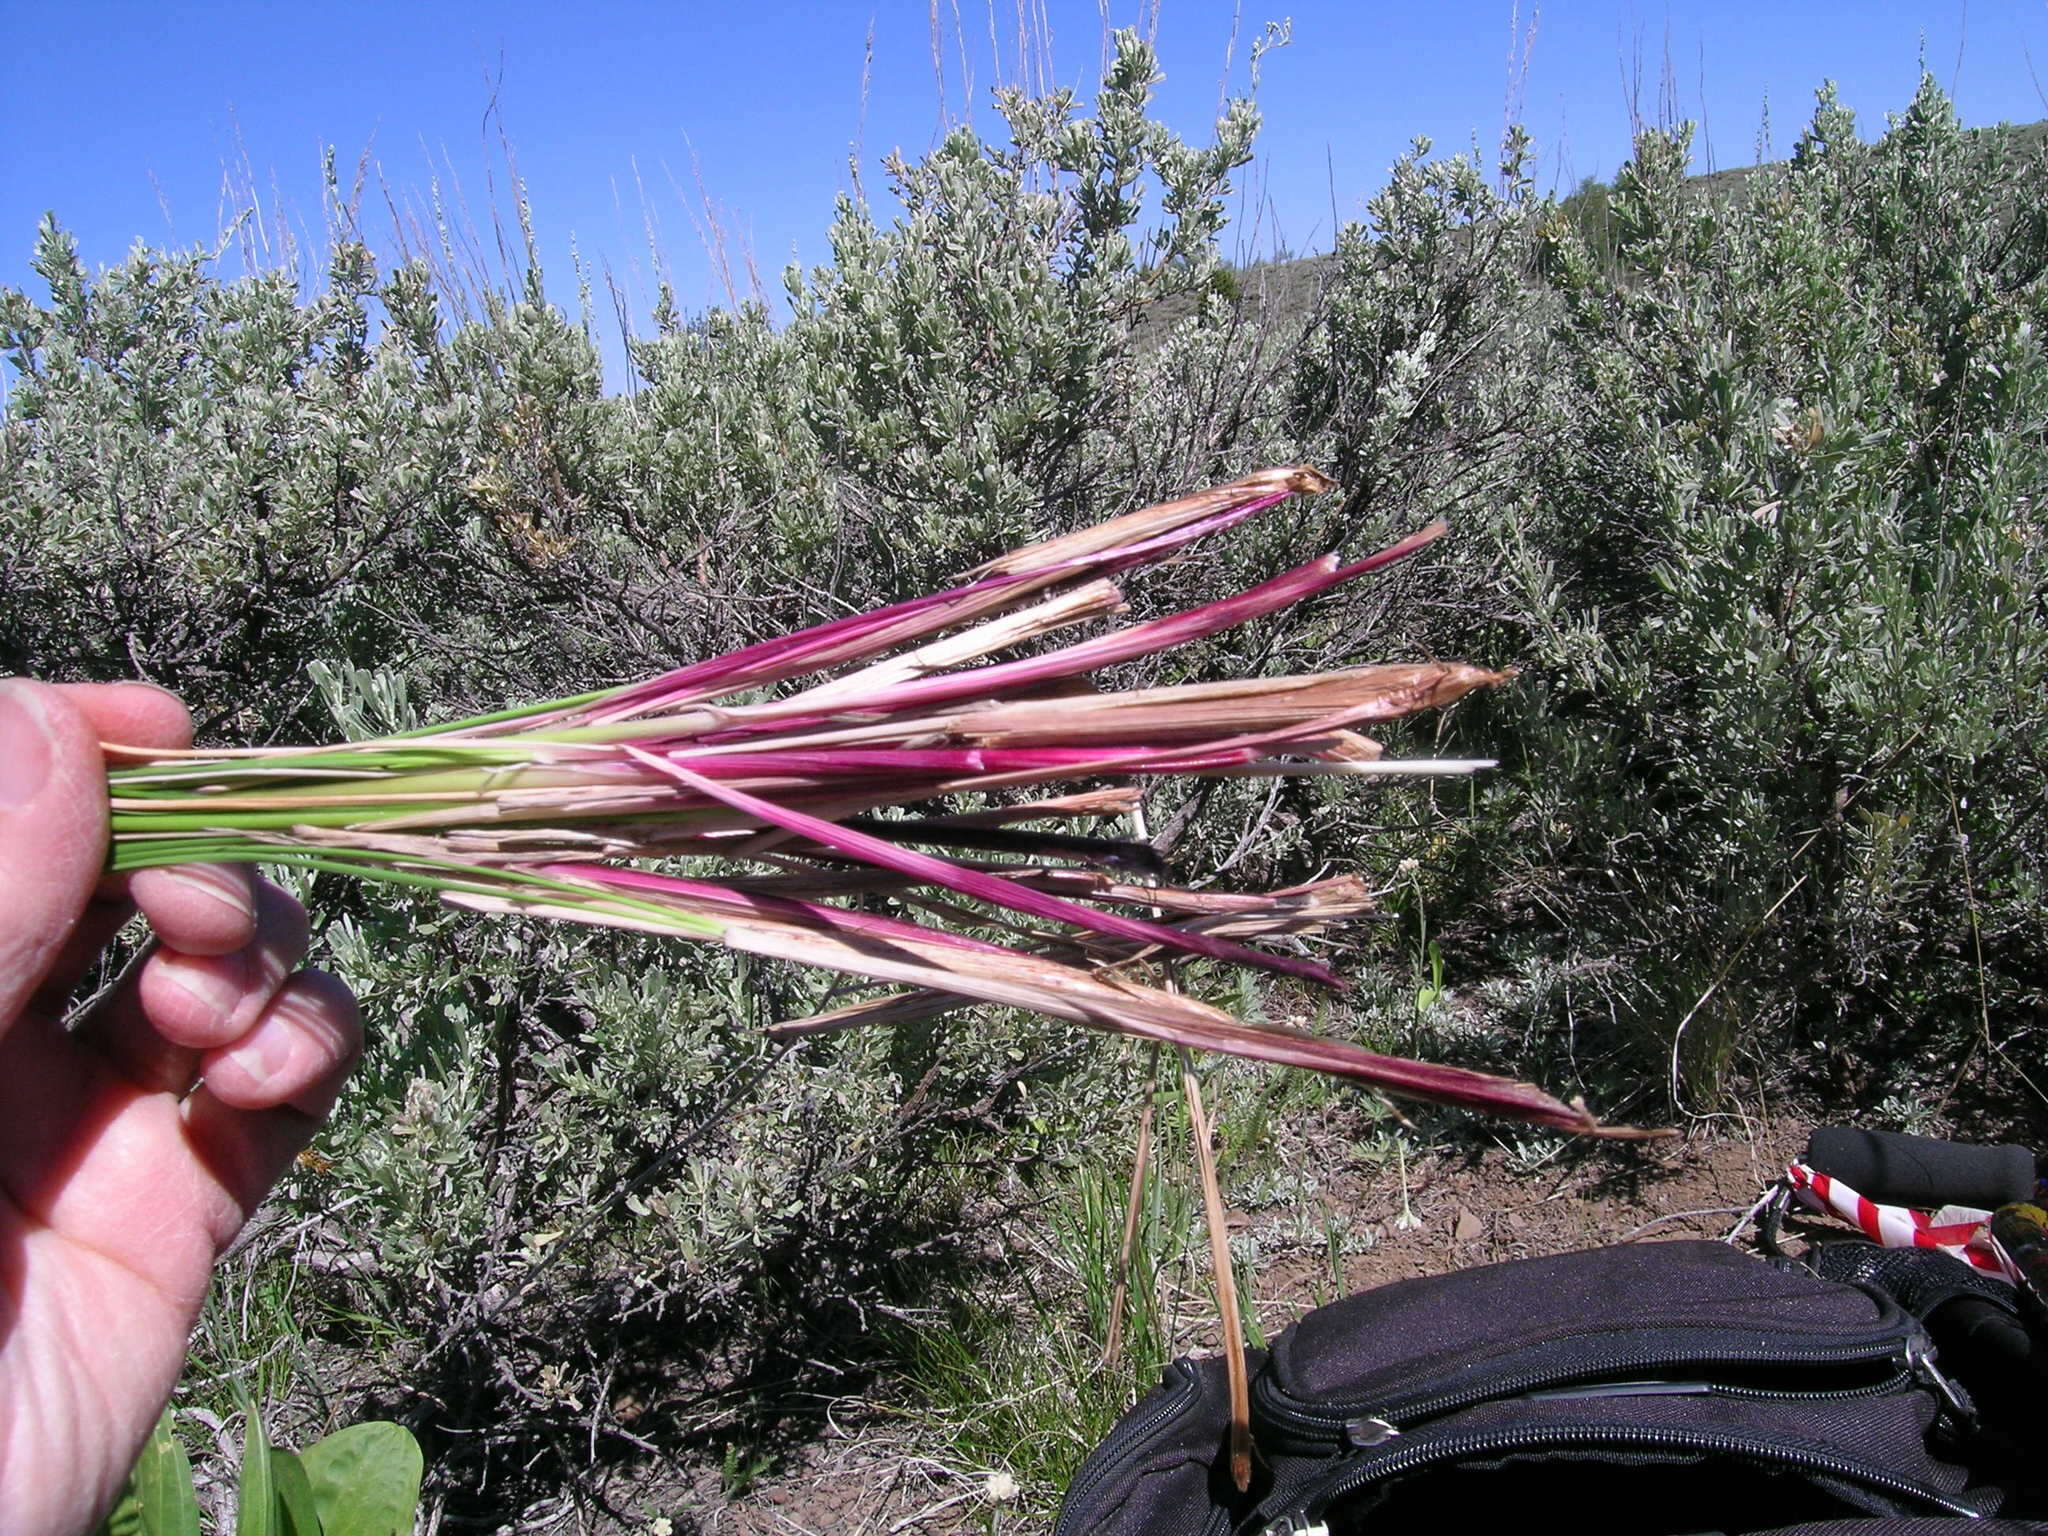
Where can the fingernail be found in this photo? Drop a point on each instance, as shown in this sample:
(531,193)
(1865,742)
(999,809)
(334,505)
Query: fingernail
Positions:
(218,986)
(216,885)
(299,1027)
(268,1049)
(24,743)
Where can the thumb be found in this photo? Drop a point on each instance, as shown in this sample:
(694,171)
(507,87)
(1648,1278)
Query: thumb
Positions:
(53,834)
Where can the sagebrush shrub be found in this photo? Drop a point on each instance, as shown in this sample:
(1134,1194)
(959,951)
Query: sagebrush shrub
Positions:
(1787,714)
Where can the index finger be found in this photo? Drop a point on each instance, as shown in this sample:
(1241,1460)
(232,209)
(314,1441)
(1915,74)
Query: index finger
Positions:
(127,714)
(131,714)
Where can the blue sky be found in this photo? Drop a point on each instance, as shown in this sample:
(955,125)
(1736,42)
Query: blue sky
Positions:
(125,119)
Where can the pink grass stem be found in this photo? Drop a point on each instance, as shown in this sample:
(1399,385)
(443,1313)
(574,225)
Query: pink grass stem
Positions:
(990,888)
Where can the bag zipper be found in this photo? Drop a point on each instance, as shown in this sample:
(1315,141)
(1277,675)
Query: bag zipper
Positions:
(1306,1517)
(1332,1425)
(1109,1457)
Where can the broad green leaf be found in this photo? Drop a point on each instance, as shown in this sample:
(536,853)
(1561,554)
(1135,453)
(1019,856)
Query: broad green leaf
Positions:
(159,1500)
(299,1512)
(366,1480)
(256,1512)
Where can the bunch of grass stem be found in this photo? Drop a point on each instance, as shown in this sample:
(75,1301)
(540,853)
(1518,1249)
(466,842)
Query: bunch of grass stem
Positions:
(730,801)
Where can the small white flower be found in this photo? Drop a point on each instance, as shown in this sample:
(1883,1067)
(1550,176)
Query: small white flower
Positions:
(1001,1488)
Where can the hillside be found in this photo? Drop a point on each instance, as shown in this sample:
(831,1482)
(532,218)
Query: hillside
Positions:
(1286,293)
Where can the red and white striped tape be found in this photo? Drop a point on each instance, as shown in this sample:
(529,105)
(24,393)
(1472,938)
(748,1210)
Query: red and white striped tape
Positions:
(1961,1232)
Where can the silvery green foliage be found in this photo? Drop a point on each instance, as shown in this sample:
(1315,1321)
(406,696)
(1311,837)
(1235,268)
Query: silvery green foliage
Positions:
(206,482)
(573,1178)
(970,362)
(1783,573)
(1417,386)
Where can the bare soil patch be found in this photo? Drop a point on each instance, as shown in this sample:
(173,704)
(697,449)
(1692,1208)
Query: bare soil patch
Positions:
(864,1477)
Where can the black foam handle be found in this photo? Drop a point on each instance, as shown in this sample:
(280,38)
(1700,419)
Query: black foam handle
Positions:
(1916,1170)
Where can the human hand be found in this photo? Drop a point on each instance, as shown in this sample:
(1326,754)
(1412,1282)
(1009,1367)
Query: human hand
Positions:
(120,1180)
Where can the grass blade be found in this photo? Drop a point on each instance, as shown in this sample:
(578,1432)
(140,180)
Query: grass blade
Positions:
(1229,1319)
(981,887)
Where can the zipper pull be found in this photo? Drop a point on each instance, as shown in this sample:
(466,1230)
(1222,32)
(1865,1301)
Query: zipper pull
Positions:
(1360,1434)
(1956,1404)
(1364,1434)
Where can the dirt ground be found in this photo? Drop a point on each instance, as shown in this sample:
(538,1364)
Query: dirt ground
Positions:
(1472,1208)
